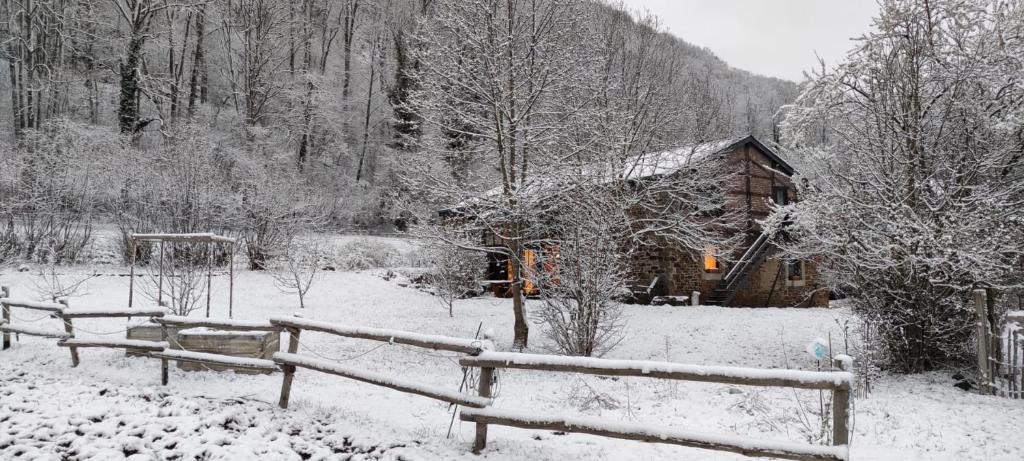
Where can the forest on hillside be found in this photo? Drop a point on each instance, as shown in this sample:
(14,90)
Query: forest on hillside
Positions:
(261,118)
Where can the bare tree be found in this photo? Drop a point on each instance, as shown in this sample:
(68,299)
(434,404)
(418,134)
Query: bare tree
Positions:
(252,33)
(298,265)
(180,280)
(456,273)
(51,284)
(487,72)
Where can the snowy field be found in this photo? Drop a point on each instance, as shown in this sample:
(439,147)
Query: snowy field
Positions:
(113,407)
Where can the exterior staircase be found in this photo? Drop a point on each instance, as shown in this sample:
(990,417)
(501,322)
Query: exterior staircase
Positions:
(738,276)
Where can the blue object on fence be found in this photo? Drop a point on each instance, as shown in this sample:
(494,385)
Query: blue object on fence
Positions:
(818,349)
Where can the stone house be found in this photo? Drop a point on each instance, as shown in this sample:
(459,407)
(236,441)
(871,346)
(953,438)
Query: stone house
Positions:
(753,276)
(759,178)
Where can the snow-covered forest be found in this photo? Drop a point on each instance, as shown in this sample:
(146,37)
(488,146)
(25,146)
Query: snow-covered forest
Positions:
(278,229)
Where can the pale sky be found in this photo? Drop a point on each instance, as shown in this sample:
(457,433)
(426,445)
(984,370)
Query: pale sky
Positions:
(777,38)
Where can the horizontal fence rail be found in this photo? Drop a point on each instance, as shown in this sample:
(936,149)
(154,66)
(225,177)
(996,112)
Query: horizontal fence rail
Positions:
(644,433)
(839,382)
(116,344)
(216,324)
(31,331)
(215,359)
(664,370)
(378,379)
(33,305)
(111,313)
(435,342)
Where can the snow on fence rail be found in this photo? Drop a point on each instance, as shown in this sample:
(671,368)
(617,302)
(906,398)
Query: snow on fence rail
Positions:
(110,312)
(436,342)
(216,324)
(33,305)
(214,359)
(115,344)
(632,431)
(839,382)
(665,370)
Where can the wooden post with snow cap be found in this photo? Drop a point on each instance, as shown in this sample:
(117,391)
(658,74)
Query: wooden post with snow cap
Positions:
(983,333)
(841,404)
(70,331)
(486,376)
(5,292)
(289,370)
(164,368)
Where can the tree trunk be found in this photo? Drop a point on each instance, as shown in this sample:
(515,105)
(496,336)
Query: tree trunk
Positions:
(366,117)
(128,111)
(198,63)
(348,33)
(521,328)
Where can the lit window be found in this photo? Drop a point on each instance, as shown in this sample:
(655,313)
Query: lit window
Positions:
(710,259)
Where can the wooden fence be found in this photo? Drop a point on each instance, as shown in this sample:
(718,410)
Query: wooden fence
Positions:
(1013,355)
(62,311)
(1000,350)
(291,360)
(479,354)
(839,382)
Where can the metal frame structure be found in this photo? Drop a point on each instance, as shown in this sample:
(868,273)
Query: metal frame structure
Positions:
(208,239)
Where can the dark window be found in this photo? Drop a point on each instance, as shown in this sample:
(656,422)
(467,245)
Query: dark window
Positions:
(781,195)
(795,268)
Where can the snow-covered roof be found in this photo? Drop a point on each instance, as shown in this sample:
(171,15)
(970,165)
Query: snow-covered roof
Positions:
(642,166)
(670,161)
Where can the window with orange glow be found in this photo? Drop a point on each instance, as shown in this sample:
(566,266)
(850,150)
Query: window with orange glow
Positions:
(710,259)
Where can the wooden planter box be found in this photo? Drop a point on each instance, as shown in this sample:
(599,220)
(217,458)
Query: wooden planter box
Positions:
(149,332)
(249,344)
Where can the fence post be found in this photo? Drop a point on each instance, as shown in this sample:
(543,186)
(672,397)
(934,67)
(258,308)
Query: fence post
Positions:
(1017,374)
(6,293)
(289,370)
(984,331)
(486,376)
(841,406)
(164,372)
(70,331)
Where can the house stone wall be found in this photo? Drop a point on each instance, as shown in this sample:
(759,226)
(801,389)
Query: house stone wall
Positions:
(681,272)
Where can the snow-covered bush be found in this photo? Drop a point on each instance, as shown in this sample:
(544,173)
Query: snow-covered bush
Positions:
(48,193)
(914,156)
(579,284)
(364,254)
(182,186)
(275,207)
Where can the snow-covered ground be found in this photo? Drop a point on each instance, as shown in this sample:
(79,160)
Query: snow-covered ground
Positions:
(112,406)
